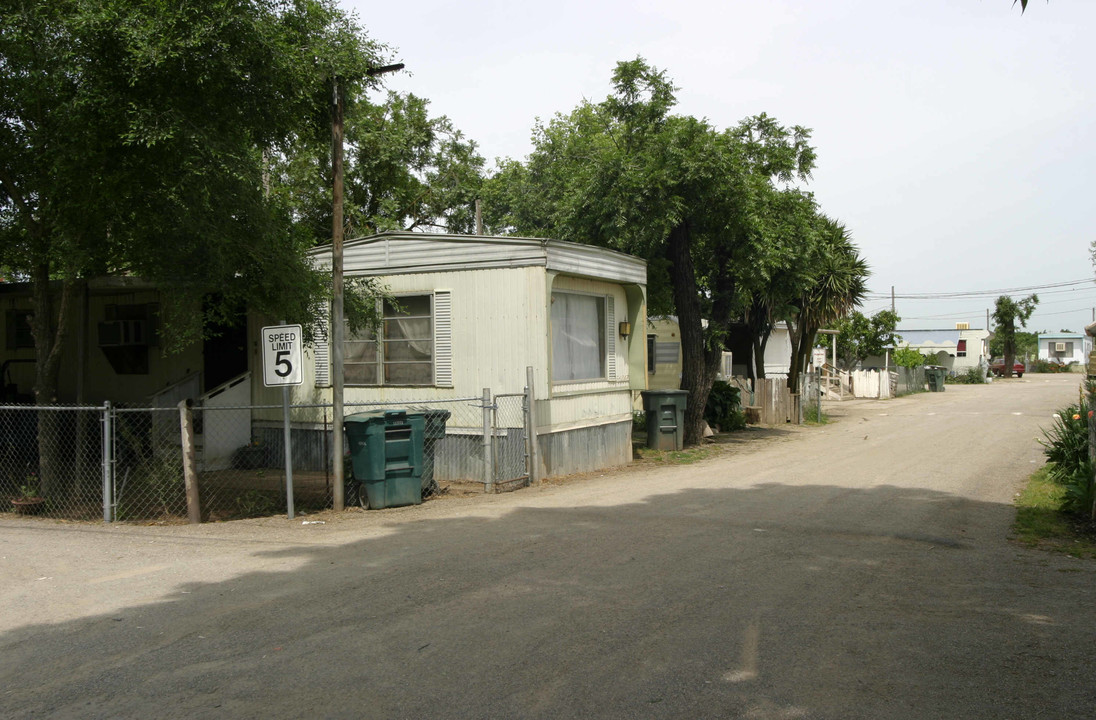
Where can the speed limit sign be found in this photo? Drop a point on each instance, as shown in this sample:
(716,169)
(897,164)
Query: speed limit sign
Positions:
(282,355)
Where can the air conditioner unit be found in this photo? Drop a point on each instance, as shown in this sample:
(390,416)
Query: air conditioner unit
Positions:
(962,326)
(123,333)
(1059,347)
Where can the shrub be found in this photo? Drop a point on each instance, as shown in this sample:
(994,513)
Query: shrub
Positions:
(724,408)
(1066,448)
(972,376)
(905,357)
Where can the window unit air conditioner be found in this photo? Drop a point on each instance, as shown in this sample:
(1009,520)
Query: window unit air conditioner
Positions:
(1059,347)
(123,333)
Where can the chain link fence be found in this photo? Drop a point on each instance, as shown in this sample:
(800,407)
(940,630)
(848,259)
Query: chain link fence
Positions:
(113,463)
(910,380)
(51,460)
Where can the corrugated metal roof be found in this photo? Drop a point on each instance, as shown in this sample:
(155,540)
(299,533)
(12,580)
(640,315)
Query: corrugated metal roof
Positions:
(397,253)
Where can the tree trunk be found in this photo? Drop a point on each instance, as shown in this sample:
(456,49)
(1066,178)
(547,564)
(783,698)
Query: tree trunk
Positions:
(802,341)
(698,371)
(1010,357)
(48,347)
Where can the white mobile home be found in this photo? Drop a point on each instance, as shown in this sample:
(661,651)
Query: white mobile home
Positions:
(957,350)
(1064,348)
(473,312)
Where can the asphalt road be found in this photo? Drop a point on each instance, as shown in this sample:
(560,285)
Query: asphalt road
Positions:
(857,570)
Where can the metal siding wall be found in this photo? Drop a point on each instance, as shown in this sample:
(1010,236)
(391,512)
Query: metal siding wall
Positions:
(586,449)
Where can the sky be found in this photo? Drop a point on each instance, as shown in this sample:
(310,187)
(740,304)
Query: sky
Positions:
(954,137)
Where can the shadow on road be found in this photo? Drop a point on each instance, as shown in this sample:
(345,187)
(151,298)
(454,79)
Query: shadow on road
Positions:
(774,601)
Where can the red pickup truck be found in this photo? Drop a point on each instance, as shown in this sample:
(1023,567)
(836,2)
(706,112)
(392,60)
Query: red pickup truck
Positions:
(997,367)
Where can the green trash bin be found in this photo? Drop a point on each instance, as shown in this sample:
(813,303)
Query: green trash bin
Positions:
(935,376)
(433,433)
(386,456)
(665,418)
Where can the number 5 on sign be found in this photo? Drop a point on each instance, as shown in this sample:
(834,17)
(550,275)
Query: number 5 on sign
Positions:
(282,355)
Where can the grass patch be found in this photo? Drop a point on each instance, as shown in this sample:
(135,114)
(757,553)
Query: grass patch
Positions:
(1040,522)
(675,457)
(813,416)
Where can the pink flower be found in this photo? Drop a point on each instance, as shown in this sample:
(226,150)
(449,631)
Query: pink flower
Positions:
(1076,416)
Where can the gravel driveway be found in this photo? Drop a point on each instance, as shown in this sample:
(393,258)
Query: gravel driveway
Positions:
(856,570)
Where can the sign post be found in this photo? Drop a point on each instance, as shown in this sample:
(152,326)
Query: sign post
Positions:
(282,358)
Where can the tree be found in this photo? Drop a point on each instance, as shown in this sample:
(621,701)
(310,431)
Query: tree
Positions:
(1027,343)
(860,337)
(629,174)
(404,170)
(837,284)
(1006,313)
(132,142)
(789,225)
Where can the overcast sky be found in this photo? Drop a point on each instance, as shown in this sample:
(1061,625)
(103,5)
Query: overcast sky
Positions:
(955,137)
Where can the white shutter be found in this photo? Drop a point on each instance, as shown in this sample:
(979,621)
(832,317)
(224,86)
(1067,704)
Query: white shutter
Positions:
(321,351)
(610,342)
(443,338)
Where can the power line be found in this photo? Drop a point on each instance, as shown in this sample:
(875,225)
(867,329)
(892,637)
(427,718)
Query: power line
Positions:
(981,293)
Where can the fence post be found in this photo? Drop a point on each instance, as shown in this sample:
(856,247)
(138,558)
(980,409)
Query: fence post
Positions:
(799,409)
(488,464)
(818,392)
(190,477)
(287,440)
(531,428)
(108,462)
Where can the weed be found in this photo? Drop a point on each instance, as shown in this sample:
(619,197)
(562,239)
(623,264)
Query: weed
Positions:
(255,503)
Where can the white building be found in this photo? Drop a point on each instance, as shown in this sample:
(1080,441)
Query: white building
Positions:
(1064,347)
(474,312)
(957,349)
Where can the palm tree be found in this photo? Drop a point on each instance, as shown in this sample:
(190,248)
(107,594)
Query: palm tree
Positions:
(836,286)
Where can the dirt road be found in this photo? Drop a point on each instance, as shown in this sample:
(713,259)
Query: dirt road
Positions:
(857,570)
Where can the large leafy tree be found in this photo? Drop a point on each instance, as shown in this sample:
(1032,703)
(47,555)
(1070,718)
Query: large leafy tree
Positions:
(404,170)
(1007,312)
(788,221)
(132,141)
(628,173)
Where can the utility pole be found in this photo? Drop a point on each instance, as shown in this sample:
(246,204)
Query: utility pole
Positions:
(338,498)
(336,323)
(892,298)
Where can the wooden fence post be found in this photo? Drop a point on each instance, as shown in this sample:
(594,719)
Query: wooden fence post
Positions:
(190,474)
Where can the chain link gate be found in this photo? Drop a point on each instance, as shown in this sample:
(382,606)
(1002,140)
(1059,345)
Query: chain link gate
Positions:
(509,443)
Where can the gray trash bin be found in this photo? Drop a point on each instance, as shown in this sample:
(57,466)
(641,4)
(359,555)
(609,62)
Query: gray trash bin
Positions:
(665,418)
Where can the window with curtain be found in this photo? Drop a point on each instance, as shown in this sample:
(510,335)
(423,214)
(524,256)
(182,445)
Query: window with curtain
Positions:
(404,352)
(961,349)
(578,337)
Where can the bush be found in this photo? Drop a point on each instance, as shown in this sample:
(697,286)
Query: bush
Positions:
(905,357)
(1050,366)
(1066,448)
(973,376)
(724,408)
